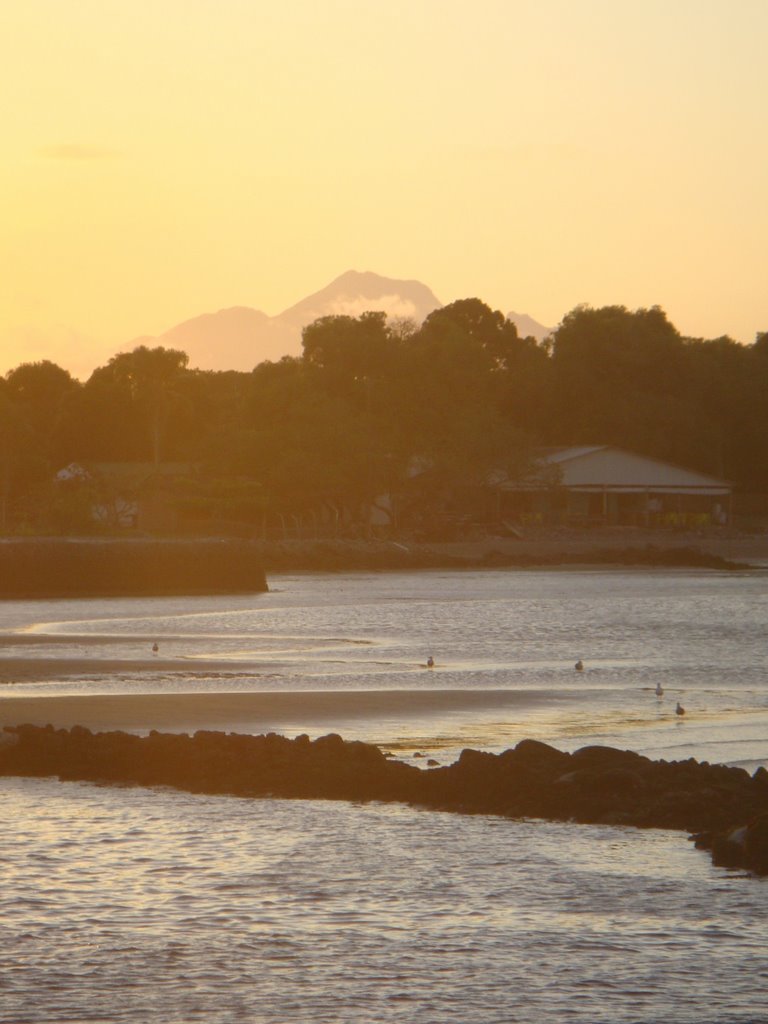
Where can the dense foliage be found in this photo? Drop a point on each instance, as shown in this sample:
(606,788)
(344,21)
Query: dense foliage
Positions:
(367,403)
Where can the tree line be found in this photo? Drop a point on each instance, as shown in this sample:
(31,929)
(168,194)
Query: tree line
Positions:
(461,395)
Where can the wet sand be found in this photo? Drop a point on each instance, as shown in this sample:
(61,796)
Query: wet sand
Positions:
(31,670)
(252,712)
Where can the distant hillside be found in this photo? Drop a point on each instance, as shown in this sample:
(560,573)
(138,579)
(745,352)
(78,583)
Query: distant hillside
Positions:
(240,338)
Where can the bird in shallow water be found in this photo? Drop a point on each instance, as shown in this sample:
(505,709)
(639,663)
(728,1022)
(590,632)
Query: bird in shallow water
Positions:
(680,710)
(579,666)
(659,690)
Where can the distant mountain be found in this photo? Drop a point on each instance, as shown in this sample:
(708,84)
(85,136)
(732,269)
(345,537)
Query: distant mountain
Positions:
(354,293)
(223,341)
(240,338)
(528,327)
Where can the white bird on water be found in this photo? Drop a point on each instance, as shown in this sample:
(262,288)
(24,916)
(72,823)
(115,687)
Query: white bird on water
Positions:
(659,690)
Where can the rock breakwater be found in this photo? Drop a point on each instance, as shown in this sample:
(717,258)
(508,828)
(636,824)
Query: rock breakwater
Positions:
(534,780)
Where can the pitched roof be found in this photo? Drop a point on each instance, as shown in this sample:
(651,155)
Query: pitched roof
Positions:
(603,467)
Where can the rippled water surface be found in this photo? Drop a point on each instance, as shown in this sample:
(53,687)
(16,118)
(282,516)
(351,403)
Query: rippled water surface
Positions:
(126,905)
(156,906)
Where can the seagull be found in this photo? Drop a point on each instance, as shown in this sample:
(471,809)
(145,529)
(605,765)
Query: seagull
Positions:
(680,710)
(659,690)
(579,666)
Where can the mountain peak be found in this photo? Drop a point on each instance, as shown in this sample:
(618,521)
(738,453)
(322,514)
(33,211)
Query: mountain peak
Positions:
(239,338)
(366,281)
(355,292)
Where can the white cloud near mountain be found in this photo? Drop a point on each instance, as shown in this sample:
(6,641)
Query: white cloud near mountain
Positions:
(240,338)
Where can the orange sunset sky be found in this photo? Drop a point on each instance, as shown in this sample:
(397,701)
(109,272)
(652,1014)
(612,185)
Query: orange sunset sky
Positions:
(166,158)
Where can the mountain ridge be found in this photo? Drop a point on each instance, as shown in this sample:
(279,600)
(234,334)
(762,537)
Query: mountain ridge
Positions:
(240,337)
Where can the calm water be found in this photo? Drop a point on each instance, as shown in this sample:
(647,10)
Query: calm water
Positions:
(157,906)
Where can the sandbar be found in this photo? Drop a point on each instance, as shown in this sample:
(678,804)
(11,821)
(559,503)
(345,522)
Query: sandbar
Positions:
(18,670)
(255,712)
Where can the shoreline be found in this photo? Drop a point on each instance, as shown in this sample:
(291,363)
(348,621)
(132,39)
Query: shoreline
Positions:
(72,568)
(565,548)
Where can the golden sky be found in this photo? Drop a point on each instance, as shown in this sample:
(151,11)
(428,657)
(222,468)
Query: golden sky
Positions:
(166,158)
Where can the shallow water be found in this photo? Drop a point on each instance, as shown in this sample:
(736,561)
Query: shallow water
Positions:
(700,635)
(133,905)
(157,906)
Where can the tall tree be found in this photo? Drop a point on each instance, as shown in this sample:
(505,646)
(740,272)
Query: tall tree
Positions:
(453,394)
(616,378)
(722,406)
(150,378)
(491,332)
(42,392)
(21,461)
(349,352)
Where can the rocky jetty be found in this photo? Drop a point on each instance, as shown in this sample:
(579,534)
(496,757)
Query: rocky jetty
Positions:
(726,808)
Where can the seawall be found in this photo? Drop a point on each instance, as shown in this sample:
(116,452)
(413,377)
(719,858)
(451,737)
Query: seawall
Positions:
(51,568)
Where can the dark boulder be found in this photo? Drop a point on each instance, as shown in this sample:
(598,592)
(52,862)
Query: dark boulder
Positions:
(742,848)
(538,757)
